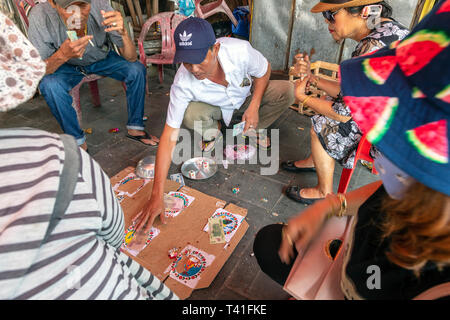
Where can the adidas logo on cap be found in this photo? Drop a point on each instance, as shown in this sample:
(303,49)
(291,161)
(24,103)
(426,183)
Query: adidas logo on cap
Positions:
(185,39)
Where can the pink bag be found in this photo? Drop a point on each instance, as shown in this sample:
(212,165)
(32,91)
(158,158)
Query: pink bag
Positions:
(315,276)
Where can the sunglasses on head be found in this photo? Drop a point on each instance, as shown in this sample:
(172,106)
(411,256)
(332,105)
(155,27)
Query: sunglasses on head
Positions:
(329,15)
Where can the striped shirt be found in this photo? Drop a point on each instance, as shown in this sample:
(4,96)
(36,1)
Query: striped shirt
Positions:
(81,259)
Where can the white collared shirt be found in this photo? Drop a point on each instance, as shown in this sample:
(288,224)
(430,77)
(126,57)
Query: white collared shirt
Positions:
(240,62)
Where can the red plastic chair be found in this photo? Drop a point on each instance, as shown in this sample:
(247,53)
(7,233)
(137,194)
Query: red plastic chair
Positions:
(362,153)
(208,9)
(168,22)
(23,6)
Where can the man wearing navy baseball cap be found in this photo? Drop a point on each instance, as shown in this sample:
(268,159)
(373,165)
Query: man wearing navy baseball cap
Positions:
(193,43)
(217,81)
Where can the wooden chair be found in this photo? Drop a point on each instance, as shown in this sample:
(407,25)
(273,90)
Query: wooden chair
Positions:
(321,68)
(24,6)
(208,9)
(168,22)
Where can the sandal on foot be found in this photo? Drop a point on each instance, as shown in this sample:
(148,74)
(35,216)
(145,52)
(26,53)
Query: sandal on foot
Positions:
(290,166)
(257,140)
(145,136)
(208,146)
(293,192)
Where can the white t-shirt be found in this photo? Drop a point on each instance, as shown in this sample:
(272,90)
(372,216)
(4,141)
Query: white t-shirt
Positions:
(240,62)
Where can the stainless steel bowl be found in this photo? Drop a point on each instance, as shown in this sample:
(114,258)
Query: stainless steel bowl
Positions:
(146,167)
(195,165)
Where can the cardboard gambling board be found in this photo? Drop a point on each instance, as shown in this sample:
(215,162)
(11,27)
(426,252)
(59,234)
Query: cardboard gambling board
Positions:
(198,262)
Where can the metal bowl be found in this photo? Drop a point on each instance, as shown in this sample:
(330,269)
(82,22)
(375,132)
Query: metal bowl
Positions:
(195,165)
(146,167)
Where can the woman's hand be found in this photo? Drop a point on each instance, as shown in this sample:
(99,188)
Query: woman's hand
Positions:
(301,229)
(300,89)
(302,65)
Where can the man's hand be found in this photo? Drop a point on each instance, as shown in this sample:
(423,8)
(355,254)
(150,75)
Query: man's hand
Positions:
(155,205)
(113,21)
(152,209)
(251,118)
(74,49)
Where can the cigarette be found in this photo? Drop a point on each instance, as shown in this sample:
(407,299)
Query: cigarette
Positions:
(92,44)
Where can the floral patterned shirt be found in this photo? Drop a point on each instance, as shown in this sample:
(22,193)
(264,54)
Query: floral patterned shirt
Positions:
(340,140)
(383,35)
(20,64)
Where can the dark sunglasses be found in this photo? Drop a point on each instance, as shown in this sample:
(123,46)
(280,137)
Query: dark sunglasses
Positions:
(329,15)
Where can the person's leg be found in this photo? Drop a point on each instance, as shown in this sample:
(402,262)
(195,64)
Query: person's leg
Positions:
(55,89)
(265,247)
(277,98)
(203,118)
(134,75)
(324,165)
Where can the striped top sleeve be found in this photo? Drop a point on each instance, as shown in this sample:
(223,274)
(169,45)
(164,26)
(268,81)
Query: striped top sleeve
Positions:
(81,259)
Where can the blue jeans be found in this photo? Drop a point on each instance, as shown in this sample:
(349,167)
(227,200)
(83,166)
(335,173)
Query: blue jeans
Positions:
(55,88)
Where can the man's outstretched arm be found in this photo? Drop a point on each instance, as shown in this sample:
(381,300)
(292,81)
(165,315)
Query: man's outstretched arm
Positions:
(155,204)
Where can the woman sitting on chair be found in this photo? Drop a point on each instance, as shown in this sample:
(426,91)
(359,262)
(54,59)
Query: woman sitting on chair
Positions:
(334,135)
(402,226)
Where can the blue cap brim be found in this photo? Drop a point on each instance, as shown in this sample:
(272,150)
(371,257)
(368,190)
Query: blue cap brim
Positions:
(192,56)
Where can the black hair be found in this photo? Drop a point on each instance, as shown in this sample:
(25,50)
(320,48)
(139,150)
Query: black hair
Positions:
(386,11)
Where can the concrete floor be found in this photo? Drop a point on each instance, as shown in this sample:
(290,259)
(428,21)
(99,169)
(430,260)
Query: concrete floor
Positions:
(241,277)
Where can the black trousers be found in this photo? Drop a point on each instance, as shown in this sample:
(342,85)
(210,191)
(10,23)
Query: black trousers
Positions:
(266,246)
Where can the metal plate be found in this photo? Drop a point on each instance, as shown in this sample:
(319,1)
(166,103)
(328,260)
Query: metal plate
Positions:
(195,164)
(146,167)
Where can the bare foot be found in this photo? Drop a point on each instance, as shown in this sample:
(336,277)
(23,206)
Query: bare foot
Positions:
(152,142)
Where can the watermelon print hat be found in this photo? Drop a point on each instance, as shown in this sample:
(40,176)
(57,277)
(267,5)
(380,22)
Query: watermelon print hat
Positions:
(400,98)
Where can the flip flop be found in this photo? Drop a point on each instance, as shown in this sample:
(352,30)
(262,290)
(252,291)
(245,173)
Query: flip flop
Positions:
(210,145)
(257,139)
(146,135)
(293,192)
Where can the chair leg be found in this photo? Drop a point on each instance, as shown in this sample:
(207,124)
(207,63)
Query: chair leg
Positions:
(346,176)
(93,85)
(374,170)
(227,11)
(161,73)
